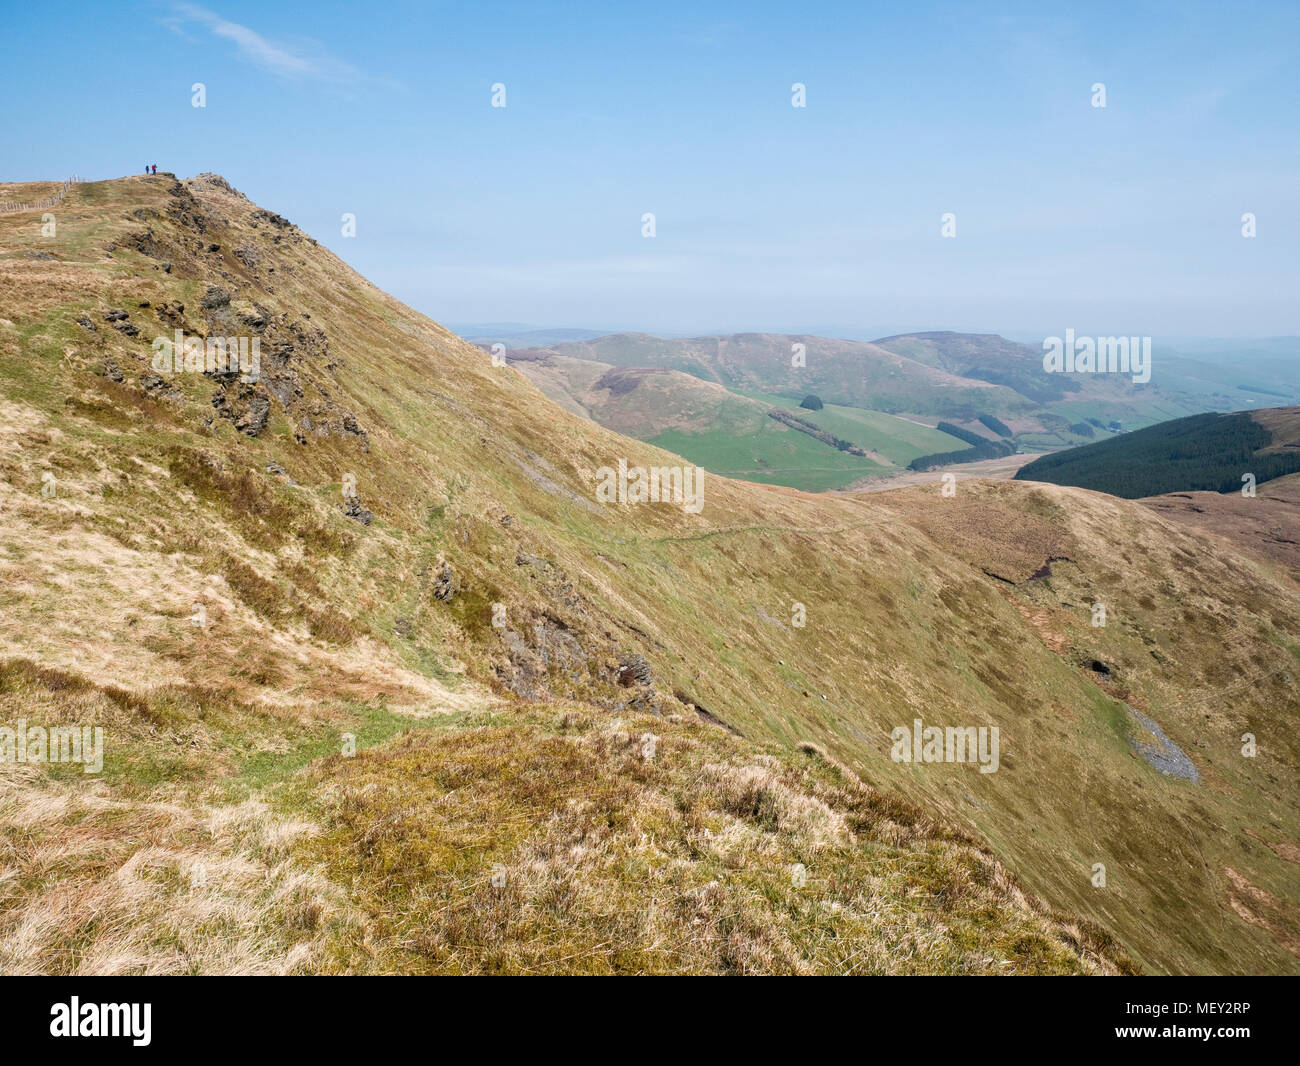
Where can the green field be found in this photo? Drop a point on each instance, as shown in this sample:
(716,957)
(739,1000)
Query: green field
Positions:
(775,455)
(897,439)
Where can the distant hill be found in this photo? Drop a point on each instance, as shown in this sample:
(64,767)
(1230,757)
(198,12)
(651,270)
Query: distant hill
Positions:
(993,390)
(850,373)
(960,376)
(1209,452)
(729,432)
(986,357)
(523,337)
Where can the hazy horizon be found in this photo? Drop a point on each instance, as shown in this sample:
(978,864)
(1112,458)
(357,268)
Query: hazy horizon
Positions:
(1123,219)
(842,332)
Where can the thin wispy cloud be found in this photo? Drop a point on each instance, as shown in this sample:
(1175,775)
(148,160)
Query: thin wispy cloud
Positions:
(301,61)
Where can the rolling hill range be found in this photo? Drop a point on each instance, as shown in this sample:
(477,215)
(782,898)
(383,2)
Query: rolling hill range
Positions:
(385,687)
(1209,452)
(851,373)
(968,380)
(987,357)
(728,432)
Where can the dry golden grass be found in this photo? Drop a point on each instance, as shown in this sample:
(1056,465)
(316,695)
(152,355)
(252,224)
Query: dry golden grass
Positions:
(559,846)
(92,885)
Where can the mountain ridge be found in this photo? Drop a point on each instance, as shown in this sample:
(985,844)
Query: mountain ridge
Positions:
(249,500)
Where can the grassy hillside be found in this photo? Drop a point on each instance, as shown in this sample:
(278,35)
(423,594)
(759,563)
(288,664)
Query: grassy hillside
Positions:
(583,731)
(1267,524)
(1203,452)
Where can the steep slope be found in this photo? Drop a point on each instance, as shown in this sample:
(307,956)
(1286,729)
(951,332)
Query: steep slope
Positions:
(197,581)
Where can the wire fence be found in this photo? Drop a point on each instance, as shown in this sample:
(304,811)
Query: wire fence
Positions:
(9,207)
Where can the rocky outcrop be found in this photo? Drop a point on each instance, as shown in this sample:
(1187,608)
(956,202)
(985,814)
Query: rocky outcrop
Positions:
(445,583)
(215,297)
(121,322)
(246,405)
(353,509)
(171,313)
(633,670)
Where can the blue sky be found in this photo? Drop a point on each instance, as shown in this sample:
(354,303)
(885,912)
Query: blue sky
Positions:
(1117,220)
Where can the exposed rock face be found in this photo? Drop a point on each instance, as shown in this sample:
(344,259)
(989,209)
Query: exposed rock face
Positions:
(278,221)
(121,321)
(445,584)
(254,419)
(187,210)
(216,181)
(353,509)
(296,367)
(322,420)
(247,406)
(567,648)
(534,667)
(172,313)
(633,670)
(215,297)
(146,242)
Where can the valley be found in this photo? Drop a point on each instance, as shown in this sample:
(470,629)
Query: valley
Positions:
(887,398)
